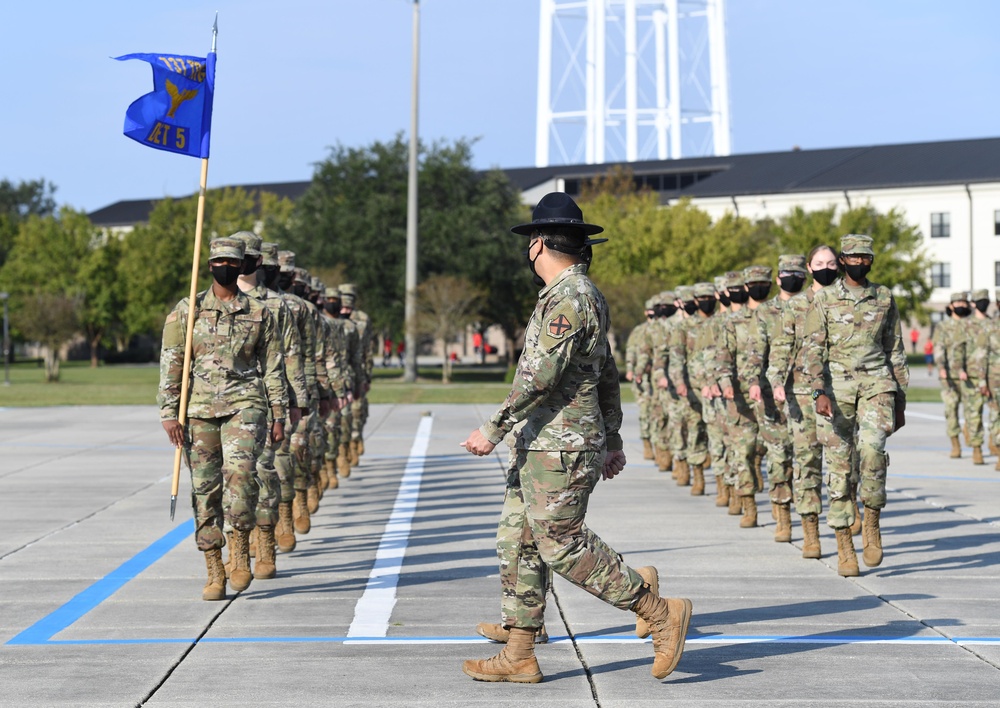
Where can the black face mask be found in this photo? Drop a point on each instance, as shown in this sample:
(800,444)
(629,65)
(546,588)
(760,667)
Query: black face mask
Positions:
(299,289)
(249,265)
(707,306)
(858,272)
(760,291)
(225,275)
(332,308)
(669,310)
(535,277)
(982,305)
(285,279)
(724,299)
(792,283)
(345,315)
(271,274)
(962,311)
(690,307)
(740,296)
(825,276)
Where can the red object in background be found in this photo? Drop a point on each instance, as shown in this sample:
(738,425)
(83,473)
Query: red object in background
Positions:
(929,347)
(401,347)
(914,335)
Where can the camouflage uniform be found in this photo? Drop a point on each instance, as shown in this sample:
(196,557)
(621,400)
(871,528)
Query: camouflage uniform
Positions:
(356,361)
(976,353)
(651,365)
(738,367)
(993,325)
(564,410)
(854,354)
(687,370)
(237,369)
(359,408)
(643,396)
(714,411)
(947,337)
(342,380)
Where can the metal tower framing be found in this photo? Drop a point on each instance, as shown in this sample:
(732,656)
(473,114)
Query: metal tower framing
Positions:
(627,80)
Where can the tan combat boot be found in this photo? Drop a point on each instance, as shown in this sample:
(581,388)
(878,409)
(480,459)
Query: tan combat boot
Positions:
(343,462)
(284,533)
(516,662)
(749,519)
(856,526)
(264,568)
(994,450)
(735,503)
(668,460)
(361,447)
(965,433)
(651,580)
(847,559)
(253,543)
(331,475)
(300,512)
(708,461)
(721,492)
(977,455)
(228,567)
(352,451)
(758,470)
(240,576)
(312,497)
(499,633)
(698,480)
(956,448)
(668,620)
(783,529)
(647,450)
(322,481)
(683,474)
(215,588)
(810,533)
(872,538)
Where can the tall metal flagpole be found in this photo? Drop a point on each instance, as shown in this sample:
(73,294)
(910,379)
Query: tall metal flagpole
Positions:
(188,336)
(410,373)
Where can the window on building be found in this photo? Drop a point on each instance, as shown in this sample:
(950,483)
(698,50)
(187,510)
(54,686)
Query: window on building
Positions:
(941,275)
(996,222)
(996,273)
(941,224)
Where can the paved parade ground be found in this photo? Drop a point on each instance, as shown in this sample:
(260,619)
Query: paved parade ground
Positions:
(100,594)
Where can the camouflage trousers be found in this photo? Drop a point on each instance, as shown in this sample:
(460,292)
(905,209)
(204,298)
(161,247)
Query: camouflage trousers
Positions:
(860,424)
(741,445)
(713,411)
(696,444)
(680,424)
(973,400)
(645,402)
(224,482)
(659,420)
(317,446)
(332,426)
(359,416)
(951,396)
(773,433)
(994,420)
(542,525)
(346,423)
(807,454)
(285,465)
(270,485)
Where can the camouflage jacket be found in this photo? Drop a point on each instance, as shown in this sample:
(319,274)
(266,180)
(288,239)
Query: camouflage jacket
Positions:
(942,341)
(632,345)
(291,344)
(738,361)
(565,394)
(355,357)
(955,353)
(236,360)
(977,343)
(307,334)
(322,341)
(784,365)
(338,362)
(851,340)
(702,340)
(770,320)
(654,356)
(993,357)
(366,336)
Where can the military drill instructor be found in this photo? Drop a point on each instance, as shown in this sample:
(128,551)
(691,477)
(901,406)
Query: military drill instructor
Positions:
(564,410)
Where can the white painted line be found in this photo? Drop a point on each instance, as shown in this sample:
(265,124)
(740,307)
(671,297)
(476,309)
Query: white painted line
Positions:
(927,416)
(374,608)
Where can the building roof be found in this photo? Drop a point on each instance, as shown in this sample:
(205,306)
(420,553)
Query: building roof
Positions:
(834,169)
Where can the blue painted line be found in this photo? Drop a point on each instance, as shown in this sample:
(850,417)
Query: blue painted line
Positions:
(599,639)
(44,629)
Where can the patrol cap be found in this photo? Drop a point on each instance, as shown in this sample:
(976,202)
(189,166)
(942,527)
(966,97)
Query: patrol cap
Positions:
(704,290)
(685,293)
(332,294)
(982,294)
(720,283)
(348,294)
(269,252)
(251,242)
(286,259)
(667,297)
(302,276)
(757,274)
(792,263)
(224,247)
(316,284)
(650,303)
(734,279)
(960,296)
(856,244)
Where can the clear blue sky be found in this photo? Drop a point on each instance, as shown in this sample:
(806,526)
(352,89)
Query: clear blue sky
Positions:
(297,76)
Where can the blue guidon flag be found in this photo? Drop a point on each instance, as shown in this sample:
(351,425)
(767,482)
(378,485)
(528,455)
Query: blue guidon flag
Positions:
(177,115)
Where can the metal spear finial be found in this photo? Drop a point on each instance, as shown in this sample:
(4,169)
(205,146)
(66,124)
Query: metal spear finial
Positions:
(215,30)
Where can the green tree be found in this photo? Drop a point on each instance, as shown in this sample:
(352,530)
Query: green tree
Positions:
(446,304)
(155,265)
(17,203)
(354,214)
(51,319)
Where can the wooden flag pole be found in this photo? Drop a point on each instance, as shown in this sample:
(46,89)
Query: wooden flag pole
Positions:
(189,333)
